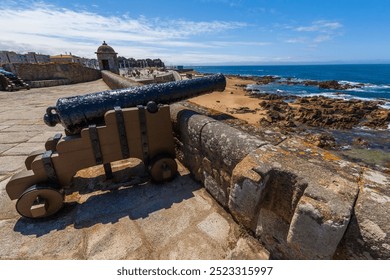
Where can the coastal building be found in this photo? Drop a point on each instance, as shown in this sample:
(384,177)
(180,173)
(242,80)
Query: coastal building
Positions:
(65,58)
(69,58)
(33,57)
(30,57)
(3,57)
(139,63)
(126,62)
(89,62)
(107,58)
(12,57)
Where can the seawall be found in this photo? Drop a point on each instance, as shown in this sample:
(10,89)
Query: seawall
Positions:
(115,81)
(53,74)
(301,202)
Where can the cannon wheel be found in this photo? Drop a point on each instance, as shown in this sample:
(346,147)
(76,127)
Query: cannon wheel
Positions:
(39,202)
(162,168)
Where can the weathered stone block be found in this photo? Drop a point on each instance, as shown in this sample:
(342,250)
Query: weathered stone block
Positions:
(114,241)
(211,149)
(313,234)
(298,209)
(7,206)
(247,188)
(74,72)
(226,146)
(368,235)
(115,81)
(216,190)
(216,227)
(248,248)
(14,137)
(24,149)
(273,231)
(5,147)
(193,247)
(11,163)
(297,198)
(21,241)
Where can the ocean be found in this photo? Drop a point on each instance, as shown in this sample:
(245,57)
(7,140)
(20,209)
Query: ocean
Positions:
(372,81)
(369,82)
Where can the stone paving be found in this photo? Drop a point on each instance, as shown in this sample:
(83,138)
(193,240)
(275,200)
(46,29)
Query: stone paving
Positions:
(108,219)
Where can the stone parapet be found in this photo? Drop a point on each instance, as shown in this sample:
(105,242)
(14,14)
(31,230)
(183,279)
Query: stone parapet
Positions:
(301,202)
(48,83)
(211,149)
(115,81)
(368,234)
(35,73)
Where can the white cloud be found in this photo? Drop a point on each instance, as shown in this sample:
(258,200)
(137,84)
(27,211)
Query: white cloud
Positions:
(49,29)
(322,38)
(240,43)
(322,26)
(208,58)
(317,32)
(296,40)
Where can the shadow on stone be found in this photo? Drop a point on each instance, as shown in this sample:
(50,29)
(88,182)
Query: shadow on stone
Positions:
(352,244)
(136,202)
(276,208)
(43,226)
(93,178)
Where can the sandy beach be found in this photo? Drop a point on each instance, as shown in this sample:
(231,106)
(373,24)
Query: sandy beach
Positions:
(232,99)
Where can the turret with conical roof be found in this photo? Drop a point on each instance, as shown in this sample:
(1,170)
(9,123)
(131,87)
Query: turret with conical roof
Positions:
(107,58)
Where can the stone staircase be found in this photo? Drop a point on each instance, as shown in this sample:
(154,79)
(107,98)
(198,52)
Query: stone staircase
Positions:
(11,82)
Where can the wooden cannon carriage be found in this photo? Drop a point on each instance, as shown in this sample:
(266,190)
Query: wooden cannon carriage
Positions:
(136,126)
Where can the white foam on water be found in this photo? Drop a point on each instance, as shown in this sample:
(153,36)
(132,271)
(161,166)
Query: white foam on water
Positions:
(329,95)
(385,106)
(351,83)
(356,89)
(377,86)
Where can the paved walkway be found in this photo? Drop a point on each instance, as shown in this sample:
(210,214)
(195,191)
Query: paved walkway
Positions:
(108,220)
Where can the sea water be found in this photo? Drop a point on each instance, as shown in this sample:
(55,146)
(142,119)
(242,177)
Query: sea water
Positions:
(368,81)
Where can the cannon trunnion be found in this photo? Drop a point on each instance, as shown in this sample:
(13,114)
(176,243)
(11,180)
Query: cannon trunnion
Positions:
(143,131)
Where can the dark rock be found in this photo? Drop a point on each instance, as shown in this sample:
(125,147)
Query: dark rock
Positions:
(330,85)
(241,110)
(360,142)
(322,140)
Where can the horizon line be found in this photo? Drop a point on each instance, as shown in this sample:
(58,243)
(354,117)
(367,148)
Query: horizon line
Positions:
(289,63)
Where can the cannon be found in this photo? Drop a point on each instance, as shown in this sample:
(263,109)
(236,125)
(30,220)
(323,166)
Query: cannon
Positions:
(77,112)
(101,128)
(10,82)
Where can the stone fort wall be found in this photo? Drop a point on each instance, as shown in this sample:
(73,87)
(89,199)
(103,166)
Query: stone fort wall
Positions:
(115,81)
(299,201)
(51,74)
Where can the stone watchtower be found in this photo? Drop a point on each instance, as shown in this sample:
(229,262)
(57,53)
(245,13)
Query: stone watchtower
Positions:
(107,58)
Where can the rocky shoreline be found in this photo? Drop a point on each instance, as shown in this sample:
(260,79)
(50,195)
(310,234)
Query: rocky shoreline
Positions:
(289,111)
(331,84)
(329,123)
(319,111)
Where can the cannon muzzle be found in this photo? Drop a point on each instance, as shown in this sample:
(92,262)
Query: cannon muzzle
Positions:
(78,112)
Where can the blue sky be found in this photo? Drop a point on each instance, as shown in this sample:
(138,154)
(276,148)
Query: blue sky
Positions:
(204,32)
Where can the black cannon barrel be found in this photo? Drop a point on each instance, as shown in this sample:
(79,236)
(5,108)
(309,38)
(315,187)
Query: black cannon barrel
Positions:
(77,112)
